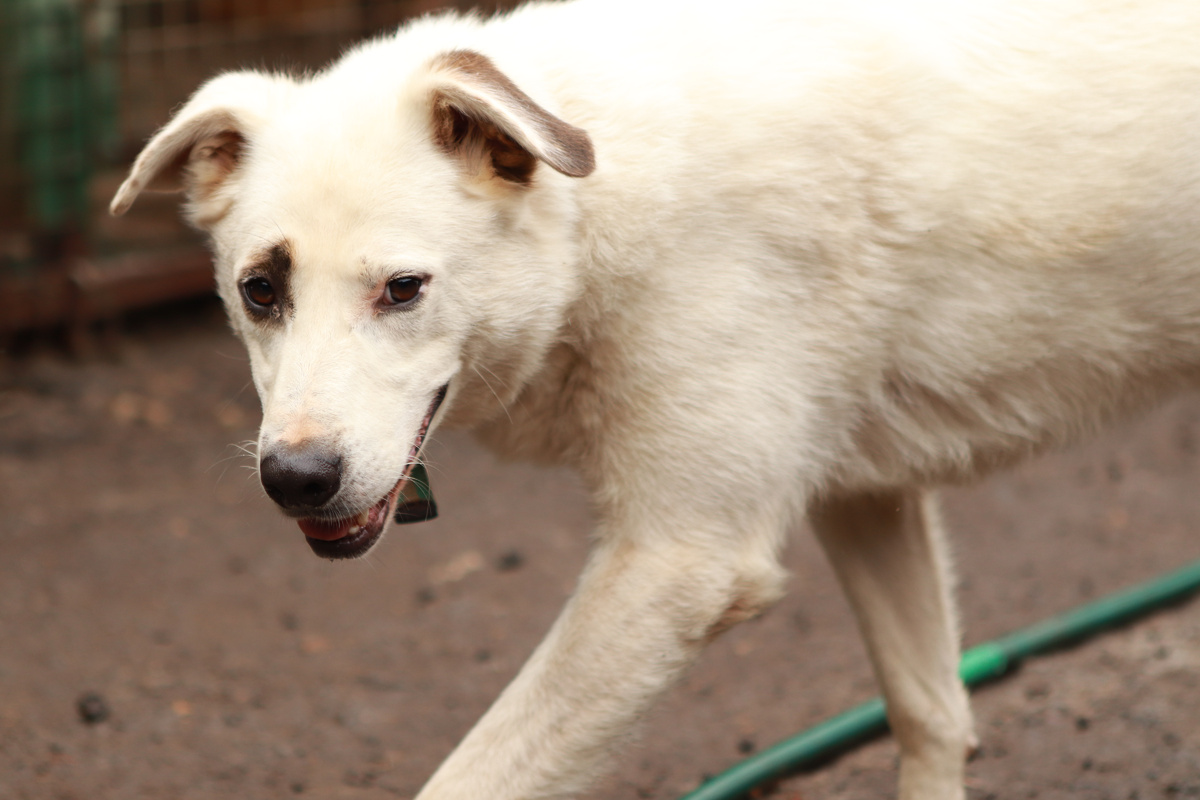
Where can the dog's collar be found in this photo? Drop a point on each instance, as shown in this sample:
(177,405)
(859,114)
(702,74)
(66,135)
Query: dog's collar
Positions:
(415,503)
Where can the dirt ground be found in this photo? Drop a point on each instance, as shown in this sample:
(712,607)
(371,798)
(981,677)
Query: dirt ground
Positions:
(147,585)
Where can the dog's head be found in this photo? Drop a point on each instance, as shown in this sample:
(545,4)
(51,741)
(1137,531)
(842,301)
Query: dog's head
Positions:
(383,242)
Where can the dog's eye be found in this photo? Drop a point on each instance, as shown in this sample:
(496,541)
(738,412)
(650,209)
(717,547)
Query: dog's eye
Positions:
(259,293)
(402,291)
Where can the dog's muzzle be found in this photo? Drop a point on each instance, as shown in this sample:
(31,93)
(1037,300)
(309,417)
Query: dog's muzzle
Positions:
(304,481)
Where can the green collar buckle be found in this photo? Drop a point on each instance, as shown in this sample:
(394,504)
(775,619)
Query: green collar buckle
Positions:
(415,503)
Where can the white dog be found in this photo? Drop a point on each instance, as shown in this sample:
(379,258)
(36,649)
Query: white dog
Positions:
(735,264)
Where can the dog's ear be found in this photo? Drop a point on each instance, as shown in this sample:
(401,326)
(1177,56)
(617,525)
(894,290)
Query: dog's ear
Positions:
(198,150)
(481,117)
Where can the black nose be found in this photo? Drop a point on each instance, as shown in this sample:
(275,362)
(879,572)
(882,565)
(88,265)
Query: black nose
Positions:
(300,478)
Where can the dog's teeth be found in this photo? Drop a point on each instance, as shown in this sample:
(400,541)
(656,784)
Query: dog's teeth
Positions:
(364,517)
(353,530)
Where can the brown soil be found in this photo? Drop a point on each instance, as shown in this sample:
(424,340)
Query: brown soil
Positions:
(165,634)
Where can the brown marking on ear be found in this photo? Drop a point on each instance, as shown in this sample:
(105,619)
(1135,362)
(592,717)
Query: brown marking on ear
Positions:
(464,123)
(196,154)
(204,142)
(214,158)
(457,132)
(210,163)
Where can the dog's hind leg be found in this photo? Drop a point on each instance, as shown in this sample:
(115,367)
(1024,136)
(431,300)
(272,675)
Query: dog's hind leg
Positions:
(644,608)
(888,552)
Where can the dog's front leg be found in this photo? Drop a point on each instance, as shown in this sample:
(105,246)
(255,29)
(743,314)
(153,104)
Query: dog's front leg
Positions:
(641,613)
(888,553)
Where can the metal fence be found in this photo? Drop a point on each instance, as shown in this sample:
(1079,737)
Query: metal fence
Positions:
(83,83)
(57,92)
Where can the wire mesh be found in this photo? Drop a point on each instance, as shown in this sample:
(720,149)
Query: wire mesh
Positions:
(83,83)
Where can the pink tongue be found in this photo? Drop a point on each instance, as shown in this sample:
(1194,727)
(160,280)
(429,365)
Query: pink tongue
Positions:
(326,531)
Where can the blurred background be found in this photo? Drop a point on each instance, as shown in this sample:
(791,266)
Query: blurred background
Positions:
(83,84)
(165,634)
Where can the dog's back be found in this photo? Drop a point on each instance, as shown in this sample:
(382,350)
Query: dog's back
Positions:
(976,220)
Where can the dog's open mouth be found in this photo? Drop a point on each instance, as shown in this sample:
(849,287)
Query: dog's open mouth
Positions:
(351,537)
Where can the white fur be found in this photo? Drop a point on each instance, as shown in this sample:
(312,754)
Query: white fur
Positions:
(830,255)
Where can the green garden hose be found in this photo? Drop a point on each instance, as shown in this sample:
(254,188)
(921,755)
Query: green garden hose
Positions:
(980,664)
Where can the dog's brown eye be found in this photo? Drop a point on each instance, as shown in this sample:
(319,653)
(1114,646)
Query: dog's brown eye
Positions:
(259,293)
(402,291)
